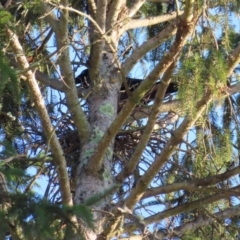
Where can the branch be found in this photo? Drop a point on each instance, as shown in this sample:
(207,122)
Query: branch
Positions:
(61,31)
(8,3)
(233,60)
(92,7)
(135,7)
(101,14)
(56,149)
(166,153)
(159,1)
(199,222)
(136,237)
(97,41)
(175,105)
(147,46)
(50,82)
(138,23)
(49,15)
(143,112)
(113,12)
(137,54)
(3,184)
(177,136)
(193,185)
(233,89)
(193,205)
(137,192)
(132,163)
(40,76)
(94,164)
(187,207)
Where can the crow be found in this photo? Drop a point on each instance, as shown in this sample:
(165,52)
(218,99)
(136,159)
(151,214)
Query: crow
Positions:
(84,80)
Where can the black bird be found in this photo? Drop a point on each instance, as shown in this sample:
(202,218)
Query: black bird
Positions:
(83,78)
(133,83)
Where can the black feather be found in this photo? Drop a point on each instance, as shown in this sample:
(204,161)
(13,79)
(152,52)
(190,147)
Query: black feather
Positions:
(84,80)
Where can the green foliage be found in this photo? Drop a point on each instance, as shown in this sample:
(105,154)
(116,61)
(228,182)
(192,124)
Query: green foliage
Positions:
(212,154)
(37,216)
(198,73)
(16,175)
(84,213)
(153,9)
(216,67)
(227,113)
(9,98)
(191,80)
(27,11)
(222,145)
(214,231)
(7,149)
(229,40)
(7,76)
(3,225)
(5,17)
(32,5)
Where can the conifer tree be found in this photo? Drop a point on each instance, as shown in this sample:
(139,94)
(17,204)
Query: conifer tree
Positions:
(119,119)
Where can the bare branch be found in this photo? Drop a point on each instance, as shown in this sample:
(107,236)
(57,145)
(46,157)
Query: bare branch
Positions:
(113,13)
(97,41)
(147,46)
(138,23)
(193,205)
(3,184)
(178,135)
(158,1)
(167,151)
(199,222)
(176,105)
(50,16)
(101,14)
(56,149)
(193,185)
(130,166)
(95,162)
(169,148)
(51,82)
(135,7)
(61,31)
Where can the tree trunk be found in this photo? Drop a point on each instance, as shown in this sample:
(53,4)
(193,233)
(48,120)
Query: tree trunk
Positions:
(103,102)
